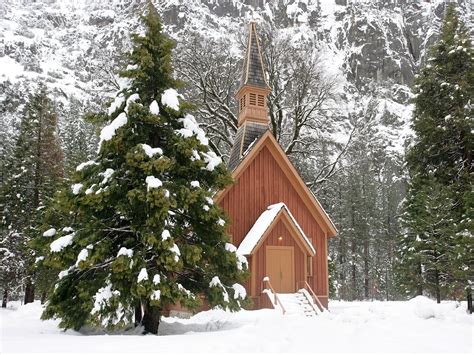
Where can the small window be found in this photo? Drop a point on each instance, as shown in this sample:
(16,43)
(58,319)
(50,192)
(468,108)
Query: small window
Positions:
(253,99)
(261,100)
(309,265)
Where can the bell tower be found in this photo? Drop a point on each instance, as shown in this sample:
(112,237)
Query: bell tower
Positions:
(252,100)
(254,88)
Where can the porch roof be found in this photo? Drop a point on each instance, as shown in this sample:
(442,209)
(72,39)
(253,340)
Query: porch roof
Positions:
(263,225)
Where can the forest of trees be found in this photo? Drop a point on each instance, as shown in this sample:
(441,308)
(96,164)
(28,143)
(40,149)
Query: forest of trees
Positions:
(361,182)
(404,221)
(436,247)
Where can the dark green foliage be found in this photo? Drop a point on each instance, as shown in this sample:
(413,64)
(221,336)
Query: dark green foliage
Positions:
(364,200)
(436,251)
(36,164)
(332,278)
(427,247)
(78,137)
(153,55)
(35,170)
(443,113)
(142,227)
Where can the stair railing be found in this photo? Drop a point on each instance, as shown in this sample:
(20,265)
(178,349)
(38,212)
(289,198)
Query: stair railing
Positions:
(276,298)
(315,298)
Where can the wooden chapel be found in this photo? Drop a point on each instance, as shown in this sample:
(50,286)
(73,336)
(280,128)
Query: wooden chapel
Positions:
(275,220)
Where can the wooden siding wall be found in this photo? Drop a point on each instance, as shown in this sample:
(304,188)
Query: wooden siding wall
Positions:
(262,184)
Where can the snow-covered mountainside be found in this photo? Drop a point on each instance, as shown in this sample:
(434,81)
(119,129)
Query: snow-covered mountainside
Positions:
(373,47)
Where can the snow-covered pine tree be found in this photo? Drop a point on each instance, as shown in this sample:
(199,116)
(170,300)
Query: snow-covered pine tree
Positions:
(36,169)
(77,135)
(138,230)
(441,156)
(425,250)
(11,264)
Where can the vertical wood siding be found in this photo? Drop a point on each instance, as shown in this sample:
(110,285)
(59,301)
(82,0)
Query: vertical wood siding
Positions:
(262,184)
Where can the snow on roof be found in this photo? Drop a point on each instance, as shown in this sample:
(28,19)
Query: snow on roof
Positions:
(262,224)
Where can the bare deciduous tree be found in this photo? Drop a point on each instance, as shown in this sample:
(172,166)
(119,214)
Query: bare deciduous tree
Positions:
(298,103)
(210,69)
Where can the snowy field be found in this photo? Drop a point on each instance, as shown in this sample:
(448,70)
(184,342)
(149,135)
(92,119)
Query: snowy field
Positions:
(419,325)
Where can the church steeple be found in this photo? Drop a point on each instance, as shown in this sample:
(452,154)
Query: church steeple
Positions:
(252,100)
(254,88)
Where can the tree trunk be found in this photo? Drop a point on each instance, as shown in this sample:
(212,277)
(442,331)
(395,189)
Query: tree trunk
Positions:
(354,282)
(151,319)
(354,292)
(138,314)
(469,300)
(419,288)
(5,298)
(44,295)
(29,291)
(438,290)
(366,268)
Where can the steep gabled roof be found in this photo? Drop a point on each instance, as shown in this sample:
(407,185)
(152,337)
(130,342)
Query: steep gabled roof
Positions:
(267,140)
(245,139)
(254,71)
(264,224)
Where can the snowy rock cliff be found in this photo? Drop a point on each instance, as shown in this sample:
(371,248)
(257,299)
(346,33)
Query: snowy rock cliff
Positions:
(373,47)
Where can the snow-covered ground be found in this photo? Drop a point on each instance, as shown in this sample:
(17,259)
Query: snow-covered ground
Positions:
(419,325)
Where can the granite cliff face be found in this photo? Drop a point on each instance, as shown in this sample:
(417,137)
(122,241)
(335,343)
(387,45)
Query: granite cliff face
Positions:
(373,47)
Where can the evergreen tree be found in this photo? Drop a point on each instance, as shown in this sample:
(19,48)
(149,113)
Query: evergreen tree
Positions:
(78,136)
(426,248)
(138,230)
(440,163)
(36,169)
(364,200)
(11,264)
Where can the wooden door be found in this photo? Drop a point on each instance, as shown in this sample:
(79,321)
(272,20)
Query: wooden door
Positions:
(280,268)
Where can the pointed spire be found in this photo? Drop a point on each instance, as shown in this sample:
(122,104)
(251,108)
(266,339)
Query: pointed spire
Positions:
(252,99)
(254,70)
(254,88)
